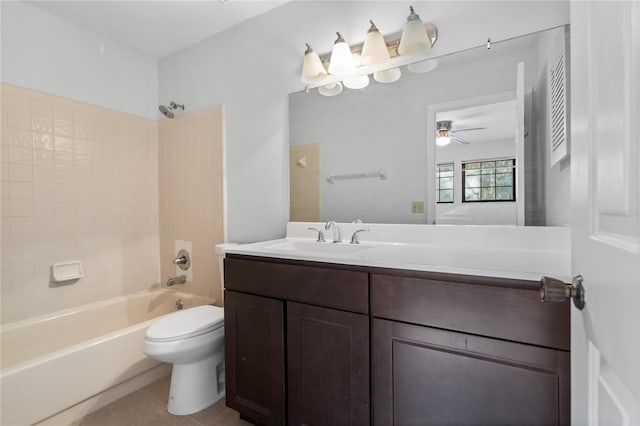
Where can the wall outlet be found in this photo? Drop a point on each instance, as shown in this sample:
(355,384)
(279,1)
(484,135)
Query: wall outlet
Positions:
(417,207)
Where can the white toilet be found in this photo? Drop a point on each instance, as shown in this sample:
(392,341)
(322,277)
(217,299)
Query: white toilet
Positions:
(193,341)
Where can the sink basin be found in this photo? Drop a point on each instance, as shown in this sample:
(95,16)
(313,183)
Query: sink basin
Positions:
(312,247)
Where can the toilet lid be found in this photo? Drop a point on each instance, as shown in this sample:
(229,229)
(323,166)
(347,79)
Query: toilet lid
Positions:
(190,322)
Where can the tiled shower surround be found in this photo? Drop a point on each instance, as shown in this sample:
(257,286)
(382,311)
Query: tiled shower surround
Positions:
(190,158)
(79,182)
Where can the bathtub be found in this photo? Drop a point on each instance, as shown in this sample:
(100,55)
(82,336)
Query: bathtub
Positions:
(58,368)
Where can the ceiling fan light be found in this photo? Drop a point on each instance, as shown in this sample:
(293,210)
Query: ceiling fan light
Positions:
(443,140)
(414,37)
(359,82)
(331,89)
(341,63)
(387,76)
(374,50)
(312,69)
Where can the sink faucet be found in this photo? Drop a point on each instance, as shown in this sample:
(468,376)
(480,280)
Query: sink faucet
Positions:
(336,231)
(181,279)
(354,237)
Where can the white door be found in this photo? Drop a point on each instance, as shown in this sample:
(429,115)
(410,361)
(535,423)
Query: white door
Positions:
(605,159)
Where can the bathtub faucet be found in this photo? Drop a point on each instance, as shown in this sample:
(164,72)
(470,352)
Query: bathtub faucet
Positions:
(176,280)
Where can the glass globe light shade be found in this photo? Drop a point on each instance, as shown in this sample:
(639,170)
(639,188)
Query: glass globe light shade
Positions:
(359,82)
(414,37)
(443,140)
(387,76)
(312,69)
(374,50)
(332,89)
(341,63)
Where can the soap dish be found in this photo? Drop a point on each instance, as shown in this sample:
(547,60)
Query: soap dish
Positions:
(65,271)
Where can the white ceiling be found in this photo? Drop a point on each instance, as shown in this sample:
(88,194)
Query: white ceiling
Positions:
(157,28)
(499,120)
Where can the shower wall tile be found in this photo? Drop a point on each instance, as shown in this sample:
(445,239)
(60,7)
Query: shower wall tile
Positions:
(78,182)
(190,167)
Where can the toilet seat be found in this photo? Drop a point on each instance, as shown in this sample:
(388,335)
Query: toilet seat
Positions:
(191,322)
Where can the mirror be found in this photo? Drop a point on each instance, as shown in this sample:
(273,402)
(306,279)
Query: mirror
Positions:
(371,154)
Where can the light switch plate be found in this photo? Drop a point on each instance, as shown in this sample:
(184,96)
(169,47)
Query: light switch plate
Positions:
(417,207)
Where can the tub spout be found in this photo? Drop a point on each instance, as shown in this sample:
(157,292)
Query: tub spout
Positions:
(176,280)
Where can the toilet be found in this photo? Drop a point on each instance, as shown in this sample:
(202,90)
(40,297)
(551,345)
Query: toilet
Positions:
(193,341)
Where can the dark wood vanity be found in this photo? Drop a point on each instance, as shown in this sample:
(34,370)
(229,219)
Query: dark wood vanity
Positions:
(310,343)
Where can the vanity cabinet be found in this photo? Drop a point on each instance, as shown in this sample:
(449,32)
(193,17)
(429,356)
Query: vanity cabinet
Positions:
(466,350)
(313,343)
(326,336)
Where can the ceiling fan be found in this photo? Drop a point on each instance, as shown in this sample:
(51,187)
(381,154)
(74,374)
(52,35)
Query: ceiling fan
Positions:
(445,134)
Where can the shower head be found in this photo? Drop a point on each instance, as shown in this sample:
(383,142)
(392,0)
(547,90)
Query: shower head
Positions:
(167,111)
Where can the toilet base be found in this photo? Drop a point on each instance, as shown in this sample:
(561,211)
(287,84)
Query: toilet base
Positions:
(196,386)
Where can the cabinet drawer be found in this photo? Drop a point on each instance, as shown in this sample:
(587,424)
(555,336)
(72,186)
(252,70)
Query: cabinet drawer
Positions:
(502,312)
(335,288)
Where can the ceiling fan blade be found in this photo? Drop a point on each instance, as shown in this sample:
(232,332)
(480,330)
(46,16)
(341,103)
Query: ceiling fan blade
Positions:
(467,130)
(459,140)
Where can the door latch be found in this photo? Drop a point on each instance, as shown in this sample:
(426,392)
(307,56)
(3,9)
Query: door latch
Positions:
(555,290)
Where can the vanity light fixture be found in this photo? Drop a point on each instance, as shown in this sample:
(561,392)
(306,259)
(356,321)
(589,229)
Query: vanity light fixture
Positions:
(312,69)
(374,49)
(341,63)
(414,37)
(349,67)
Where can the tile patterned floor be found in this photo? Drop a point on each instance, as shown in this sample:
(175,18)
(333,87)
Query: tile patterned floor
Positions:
(148,406)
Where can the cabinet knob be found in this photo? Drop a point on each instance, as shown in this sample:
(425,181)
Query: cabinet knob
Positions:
(555,290)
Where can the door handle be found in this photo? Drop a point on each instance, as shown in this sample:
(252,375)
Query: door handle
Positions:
(555,290)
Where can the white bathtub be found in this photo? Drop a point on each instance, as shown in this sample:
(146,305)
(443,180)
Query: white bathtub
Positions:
(58,368)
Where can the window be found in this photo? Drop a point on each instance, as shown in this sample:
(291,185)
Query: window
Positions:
(444,183)
(493,180)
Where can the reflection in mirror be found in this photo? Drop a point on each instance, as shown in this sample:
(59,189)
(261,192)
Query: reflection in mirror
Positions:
(372,153)
(475,164)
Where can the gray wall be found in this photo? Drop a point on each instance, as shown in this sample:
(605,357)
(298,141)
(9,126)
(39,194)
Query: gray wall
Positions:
(42,52)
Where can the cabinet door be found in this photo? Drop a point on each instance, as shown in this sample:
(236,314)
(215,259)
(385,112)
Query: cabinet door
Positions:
(426,376)
(254,351)
(328,366)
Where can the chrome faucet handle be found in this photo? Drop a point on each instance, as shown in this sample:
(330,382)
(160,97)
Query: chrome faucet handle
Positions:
(354,237)
(320,234)
(182,260)
(356,221)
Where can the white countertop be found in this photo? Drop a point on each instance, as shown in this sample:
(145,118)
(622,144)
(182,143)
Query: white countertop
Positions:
(525,253)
